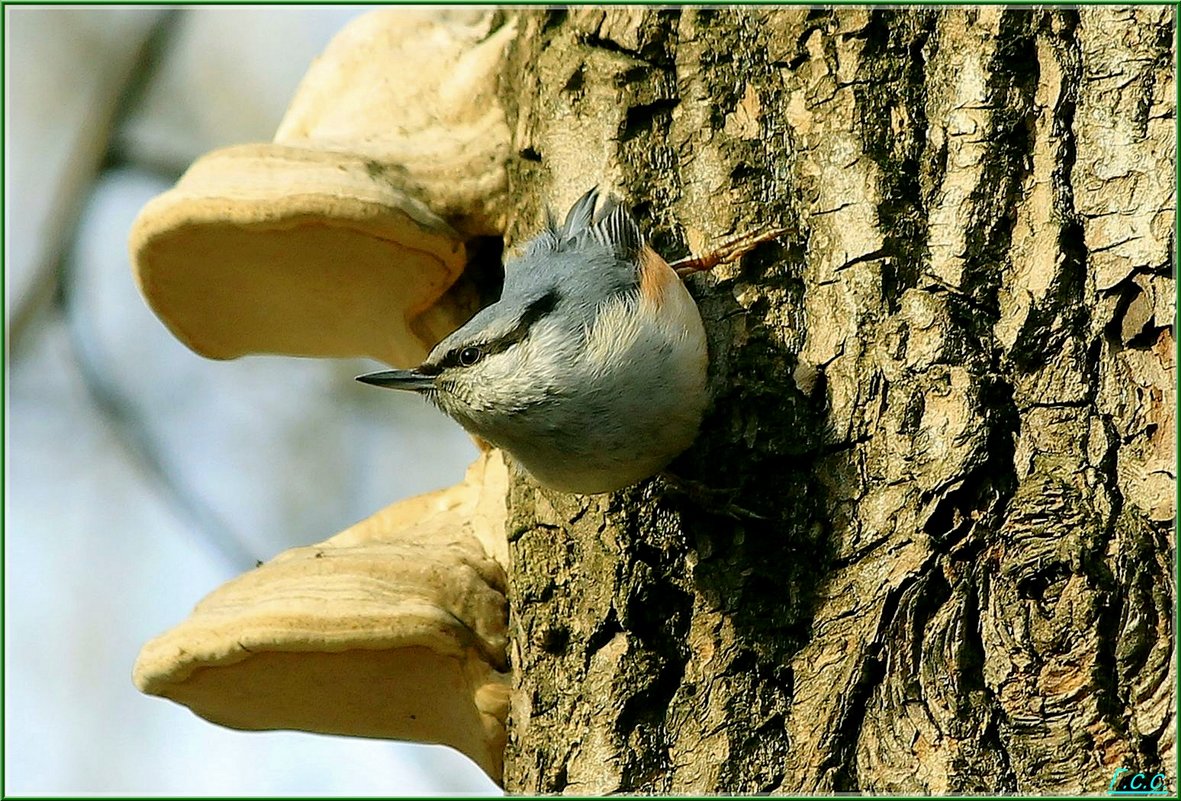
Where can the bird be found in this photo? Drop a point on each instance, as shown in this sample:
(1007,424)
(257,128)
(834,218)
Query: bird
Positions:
(590,370)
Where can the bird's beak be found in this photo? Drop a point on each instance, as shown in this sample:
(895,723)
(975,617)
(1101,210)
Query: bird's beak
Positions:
(411,380)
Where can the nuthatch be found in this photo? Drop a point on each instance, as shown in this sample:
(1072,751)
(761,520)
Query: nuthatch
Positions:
(590,371)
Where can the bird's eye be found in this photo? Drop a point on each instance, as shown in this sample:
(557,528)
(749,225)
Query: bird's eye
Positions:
(470,355)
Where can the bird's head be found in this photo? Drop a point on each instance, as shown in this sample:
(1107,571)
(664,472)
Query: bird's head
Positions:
(507,373)
(507,359)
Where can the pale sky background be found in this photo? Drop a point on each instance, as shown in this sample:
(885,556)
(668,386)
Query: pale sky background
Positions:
(130,461)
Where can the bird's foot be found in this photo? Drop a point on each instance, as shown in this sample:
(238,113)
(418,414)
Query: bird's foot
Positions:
(733,248)
(714,499)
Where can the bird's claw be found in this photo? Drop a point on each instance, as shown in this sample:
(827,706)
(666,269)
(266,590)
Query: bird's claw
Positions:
(710,498)
(733,248)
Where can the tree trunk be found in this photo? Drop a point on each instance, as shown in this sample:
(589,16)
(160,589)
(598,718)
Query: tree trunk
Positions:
(937,554)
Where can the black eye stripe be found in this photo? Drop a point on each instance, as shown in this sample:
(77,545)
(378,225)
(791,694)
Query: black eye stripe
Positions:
(540,308)
(535,311)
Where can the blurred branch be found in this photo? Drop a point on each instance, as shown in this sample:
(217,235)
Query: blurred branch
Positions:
(24,314)
(112,402)
(117,407)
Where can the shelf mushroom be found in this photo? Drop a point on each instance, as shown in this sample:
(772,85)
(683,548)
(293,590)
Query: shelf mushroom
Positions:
(346,236)
(343,236)
(394,628)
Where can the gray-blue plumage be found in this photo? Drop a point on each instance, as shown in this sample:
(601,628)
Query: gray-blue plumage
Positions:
(571,268)
(590,369)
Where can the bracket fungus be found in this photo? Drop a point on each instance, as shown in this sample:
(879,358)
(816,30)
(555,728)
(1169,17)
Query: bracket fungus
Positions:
(342,236)
(394,628)
(345,237)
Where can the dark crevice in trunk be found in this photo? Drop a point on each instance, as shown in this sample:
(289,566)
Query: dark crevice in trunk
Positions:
(891,105)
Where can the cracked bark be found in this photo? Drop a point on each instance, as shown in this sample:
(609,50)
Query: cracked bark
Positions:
(950,393)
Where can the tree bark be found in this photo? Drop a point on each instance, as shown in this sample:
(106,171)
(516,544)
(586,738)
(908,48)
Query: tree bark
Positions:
(937,554)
